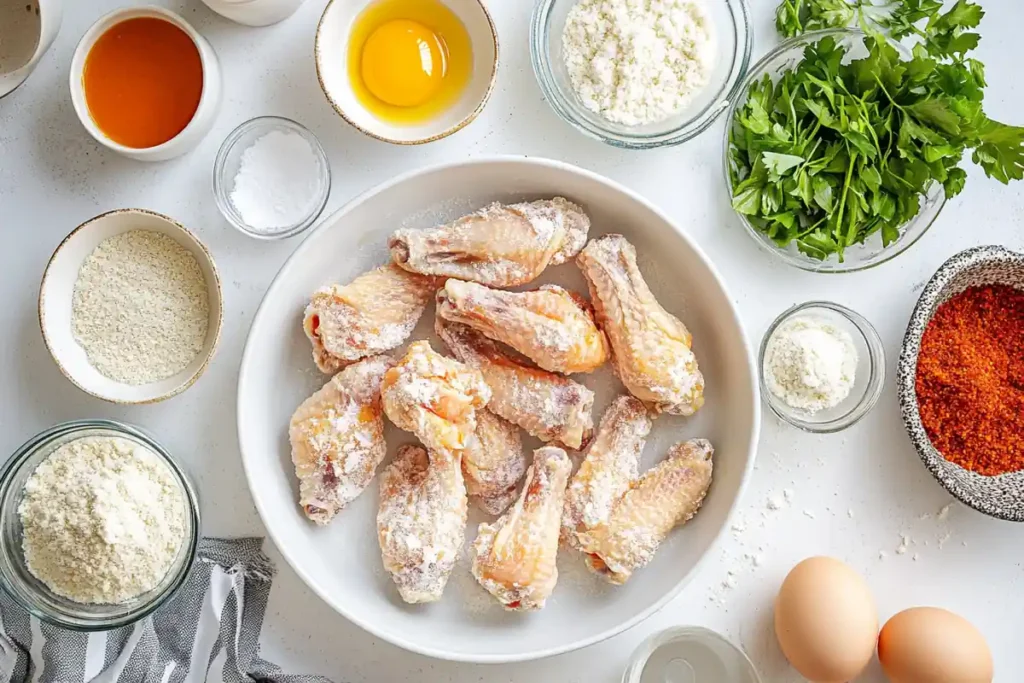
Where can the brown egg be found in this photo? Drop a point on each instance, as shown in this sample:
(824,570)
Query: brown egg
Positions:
(932,645)
(825,620)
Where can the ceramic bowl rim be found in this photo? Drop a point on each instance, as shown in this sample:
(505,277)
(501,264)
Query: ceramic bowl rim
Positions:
(906,390)
(81,53)
(465,121)
(216,330)
(751,446)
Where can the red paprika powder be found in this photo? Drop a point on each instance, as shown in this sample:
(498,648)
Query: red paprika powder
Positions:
(970,379)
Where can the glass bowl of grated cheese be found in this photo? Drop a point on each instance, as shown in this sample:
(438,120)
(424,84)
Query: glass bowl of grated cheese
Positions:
(99,525)
(640,75)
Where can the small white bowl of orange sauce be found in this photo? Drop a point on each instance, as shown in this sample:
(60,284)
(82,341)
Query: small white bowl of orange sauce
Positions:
(145,84)
(407,71)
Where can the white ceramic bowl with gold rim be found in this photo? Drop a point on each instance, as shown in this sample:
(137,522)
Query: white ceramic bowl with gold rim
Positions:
(331,54)
(209,101)
(55,303)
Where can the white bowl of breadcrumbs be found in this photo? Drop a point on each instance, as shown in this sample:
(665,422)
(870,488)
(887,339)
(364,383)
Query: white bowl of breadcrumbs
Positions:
(130,307)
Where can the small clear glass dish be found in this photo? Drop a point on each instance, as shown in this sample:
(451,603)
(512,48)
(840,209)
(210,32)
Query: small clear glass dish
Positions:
(31,593)
(733,39)
(859,256)
(225,168)
(870,373)
(689,654)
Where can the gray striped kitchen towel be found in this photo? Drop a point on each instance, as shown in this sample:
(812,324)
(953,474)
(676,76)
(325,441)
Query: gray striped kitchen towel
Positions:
(209,633)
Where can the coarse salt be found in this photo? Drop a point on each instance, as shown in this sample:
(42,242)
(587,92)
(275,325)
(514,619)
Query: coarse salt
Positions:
(278,183)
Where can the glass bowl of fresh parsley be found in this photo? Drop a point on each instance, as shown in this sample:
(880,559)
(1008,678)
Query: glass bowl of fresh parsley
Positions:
(813,164)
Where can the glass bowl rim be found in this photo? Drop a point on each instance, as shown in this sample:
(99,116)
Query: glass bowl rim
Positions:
(540,58)
(18,460)
(876,370)
(651,643)
(220,195)
(758,71)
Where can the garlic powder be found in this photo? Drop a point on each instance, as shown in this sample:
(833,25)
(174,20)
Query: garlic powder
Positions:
(810,364)
(103,519)
(140,308)
(636,62)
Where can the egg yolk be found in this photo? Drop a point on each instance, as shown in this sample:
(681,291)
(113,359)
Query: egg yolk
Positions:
(403,63)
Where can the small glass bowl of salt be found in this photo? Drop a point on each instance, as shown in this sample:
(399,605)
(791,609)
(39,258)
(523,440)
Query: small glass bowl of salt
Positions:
(271,178)
(822,367)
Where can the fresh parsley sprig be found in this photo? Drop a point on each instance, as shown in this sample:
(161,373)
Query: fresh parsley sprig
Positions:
(833,151)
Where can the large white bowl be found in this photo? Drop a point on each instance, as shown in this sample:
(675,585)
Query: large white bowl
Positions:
(342,561)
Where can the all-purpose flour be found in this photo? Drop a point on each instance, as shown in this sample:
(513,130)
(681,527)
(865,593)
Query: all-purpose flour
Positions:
(103,520)
(637,61)
(810,364)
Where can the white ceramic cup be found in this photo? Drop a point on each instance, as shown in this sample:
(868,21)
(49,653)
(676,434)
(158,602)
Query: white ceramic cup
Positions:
(254,12)
(209,102)
(50,14)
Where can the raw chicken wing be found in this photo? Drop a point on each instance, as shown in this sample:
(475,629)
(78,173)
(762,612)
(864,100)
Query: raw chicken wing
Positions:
(421,521)
(548,406)
(650,346)
(434,397)
(551,326)
(374,313)
(666,496)
(609,468)
(500,245)
(514,558)
(493,462)
(337,439)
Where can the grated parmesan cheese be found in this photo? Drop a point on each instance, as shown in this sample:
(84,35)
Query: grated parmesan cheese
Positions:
(103,520)
(636,62)
(140,308)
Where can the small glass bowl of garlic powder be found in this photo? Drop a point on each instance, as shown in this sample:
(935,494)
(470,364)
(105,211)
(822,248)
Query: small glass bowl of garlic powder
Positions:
(99,525)
(822,367)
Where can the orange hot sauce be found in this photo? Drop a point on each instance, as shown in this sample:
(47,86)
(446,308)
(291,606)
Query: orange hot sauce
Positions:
(143,79)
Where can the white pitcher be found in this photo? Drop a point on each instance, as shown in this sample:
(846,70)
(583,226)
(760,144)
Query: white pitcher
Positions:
(49,14)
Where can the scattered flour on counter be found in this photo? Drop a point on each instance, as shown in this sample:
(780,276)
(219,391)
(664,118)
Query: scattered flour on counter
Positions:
(636,62)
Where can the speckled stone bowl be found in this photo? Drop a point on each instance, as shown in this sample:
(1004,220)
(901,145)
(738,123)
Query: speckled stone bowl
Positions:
(1002,496)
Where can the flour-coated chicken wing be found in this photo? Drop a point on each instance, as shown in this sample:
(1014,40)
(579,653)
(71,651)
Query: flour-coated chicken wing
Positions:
(500,245)
(650,347)
(515,557)
(421,521)
(434,397)
(337,439)
(374,313)
(493,462)
(548,406)
(551,326)
(610,467)
(666,496)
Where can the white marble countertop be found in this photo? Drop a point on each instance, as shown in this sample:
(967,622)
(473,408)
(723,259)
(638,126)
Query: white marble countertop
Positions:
(854,495)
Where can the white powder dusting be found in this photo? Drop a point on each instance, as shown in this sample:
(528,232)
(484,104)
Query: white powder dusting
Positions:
(278,182)
(103,520)
(810,364)
(140,308)
(636,62)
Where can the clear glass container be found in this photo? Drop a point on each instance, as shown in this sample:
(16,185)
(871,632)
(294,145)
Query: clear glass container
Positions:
(858,257)
(733,40)
(870,373)
(226,166)
(689,654)
(31,593)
